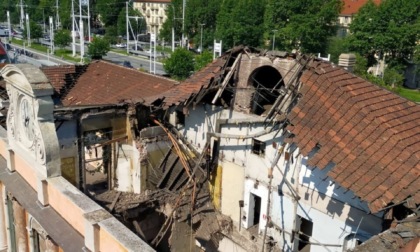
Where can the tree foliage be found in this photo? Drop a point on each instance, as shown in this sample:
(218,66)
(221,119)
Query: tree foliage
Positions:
(337,46)
(98,47)
(241,22)
(180,65)
(202,17)
(35,31)
(302,25)
(62,38)
(202,60)
(390,29)
(108,10)
(174,16)
(137,26)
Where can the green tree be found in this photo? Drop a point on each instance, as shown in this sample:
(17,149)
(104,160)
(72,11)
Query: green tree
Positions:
(174,15)
(336,46)
(62,38)
(35,30)
(98,47)
(111,34)
(302,25)
(180,65)
(108,10)
(391,29)
(241,22)
(137,26)
(202,60)
(201,17)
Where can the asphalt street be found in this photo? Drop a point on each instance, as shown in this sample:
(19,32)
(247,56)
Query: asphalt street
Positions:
(136,61)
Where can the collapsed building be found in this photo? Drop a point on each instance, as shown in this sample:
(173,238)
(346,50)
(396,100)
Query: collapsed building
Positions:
(260,150)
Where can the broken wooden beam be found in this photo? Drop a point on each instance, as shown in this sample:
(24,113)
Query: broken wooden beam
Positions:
(138,230)
(226,80)
(114,201)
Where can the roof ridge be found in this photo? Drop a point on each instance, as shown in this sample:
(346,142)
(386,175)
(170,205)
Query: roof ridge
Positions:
(136,70)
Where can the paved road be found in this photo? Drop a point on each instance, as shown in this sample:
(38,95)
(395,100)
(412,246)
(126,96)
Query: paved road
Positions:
(137,61)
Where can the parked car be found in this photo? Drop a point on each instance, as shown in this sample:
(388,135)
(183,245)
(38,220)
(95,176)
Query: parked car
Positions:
(139,48)
(121,45)
(127,63)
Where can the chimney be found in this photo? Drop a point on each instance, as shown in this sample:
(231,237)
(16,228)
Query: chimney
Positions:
(347,61)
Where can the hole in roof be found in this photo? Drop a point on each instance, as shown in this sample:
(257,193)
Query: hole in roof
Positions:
(266,82)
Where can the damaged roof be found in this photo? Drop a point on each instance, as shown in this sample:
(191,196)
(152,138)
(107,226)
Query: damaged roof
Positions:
(371,134)
(393,239)
(200,81)
(103,83)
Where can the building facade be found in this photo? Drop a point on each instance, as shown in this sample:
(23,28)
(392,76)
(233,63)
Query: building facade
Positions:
(350,8)
(154,12)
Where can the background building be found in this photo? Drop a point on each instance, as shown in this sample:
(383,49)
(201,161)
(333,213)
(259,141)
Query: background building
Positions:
(154,11)
(350,8)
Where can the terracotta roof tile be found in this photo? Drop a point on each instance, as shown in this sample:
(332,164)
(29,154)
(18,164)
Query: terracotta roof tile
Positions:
(370,134)
(61,76)
(351,7)
(103,83)
(189,88)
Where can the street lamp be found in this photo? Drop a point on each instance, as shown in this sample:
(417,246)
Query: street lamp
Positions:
(201,38)
(274,38)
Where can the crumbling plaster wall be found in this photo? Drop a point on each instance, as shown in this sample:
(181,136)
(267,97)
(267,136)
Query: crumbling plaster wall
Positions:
(68,142)
(248,65)
(335,212)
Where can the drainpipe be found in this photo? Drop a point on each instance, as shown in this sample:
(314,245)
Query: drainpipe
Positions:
(295,200)
(241,205)
(3,219)
(81,152)
(270,175)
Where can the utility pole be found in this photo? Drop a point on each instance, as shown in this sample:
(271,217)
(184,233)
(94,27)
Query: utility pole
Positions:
(129,27)
(73,31)
(201,38)
(22,14)
(51,35)
(127,20)
(274,38)
(81,32)
(183,22)
(57,18)
(28,30)
(88,18)
(9,26)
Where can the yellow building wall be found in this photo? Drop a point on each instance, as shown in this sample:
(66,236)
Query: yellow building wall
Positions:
(119,127)
(232,189)
(215,186)
(68,169)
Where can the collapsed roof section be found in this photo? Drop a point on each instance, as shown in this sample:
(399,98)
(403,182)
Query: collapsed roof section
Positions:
(369,133)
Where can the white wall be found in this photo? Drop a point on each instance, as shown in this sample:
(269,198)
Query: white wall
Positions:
(334,211)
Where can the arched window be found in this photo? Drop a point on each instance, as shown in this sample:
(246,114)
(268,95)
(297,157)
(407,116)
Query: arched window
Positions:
(266,81)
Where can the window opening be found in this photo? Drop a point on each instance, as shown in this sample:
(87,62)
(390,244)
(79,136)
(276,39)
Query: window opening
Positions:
(264,79)
(305,232)
(258,147)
